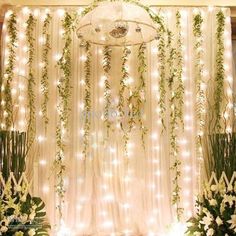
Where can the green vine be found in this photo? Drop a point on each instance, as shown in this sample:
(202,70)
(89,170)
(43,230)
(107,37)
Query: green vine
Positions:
(162,82)
(121,103)
(9,74)
(107,93)
(31,22)
(45,77)
(179,72)
(174,151)
(64,91)
(140,92)
(199,82)
(220,71)
(87,99)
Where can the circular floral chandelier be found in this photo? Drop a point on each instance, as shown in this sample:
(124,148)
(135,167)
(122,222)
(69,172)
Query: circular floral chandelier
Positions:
(117,23)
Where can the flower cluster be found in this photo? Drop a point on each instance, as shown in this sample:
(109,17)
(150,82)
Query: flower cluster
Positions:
(216,211)
(21,214)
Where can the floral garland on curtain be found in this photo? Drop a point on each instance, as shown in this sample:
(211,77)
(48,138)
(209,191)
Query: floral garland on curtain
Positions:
(220,71)
(9,72)
(45,64)
(176,88)
(87,100)
(162,70)
(107,90)
(31,23)
(64,91)
(121,104)
(200,86)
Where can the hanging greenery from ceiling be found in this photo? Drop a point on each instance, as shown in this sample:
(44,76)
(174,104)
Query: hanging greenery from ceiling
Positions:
(87,100)
(220,71)
(122,101)
(162,70)
(9,71)
(107,91)
(200,86)
(45,63)
(140,93)
(64,91)
(31,22)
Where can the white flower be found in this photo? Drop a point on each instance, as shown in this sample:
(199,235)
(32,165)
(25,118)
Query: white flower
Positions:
(23,198)
(206,221)
(213,202)
(24,218)
(31,232)
(219,221)
(32,215)
(210,232)
(3,229)
(232,222)
(230,187)
(229,199)
(213,188)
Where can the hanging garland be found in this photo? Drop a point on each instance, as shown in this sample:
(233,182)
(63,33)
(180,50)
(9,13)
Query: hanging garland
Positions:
(173,121)
(31,22)
(107,92)
(45,62)
(87,100)
(199,83)
(9,72)
(179,73)
(121,103)
(64,91)
(162,82)
(140,91)
(220,71)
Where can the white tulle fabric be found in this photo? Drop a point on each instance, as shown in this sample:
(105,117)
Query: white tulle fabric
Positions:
(109,194)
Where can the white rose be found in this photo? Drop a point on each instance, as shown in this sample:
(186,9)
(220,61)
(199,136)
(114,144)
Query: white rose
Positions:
(31,232)
(4,229)
(210,232)
(213,202)
(219,221)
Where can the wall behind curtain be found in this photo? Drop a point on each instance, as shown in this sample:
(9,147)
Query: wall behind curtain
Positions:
(107,193)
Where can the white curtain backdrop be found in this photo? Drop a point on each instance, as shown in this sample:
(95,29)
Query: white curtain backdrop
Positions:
(108,194)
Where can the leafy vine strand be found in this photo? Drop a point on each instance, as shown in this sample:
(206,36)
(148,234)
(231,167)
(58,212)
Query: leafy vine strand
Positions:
(87,100)
(45,63)
(220,71)
(199,84)
(64,91)
(9,72)
(31,22)
(107,92)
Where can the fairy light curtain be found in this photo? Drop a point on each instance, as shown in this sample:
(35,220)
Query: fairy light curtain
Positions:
(112,191)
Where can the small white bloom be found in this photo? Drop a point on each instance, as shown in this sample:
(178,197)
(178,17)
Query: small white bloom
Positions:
(3,229)
(232,222)
(213,202)
(219,221)
(23,198)
(213,188)
(210,232)
(31,232)
(32,215)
